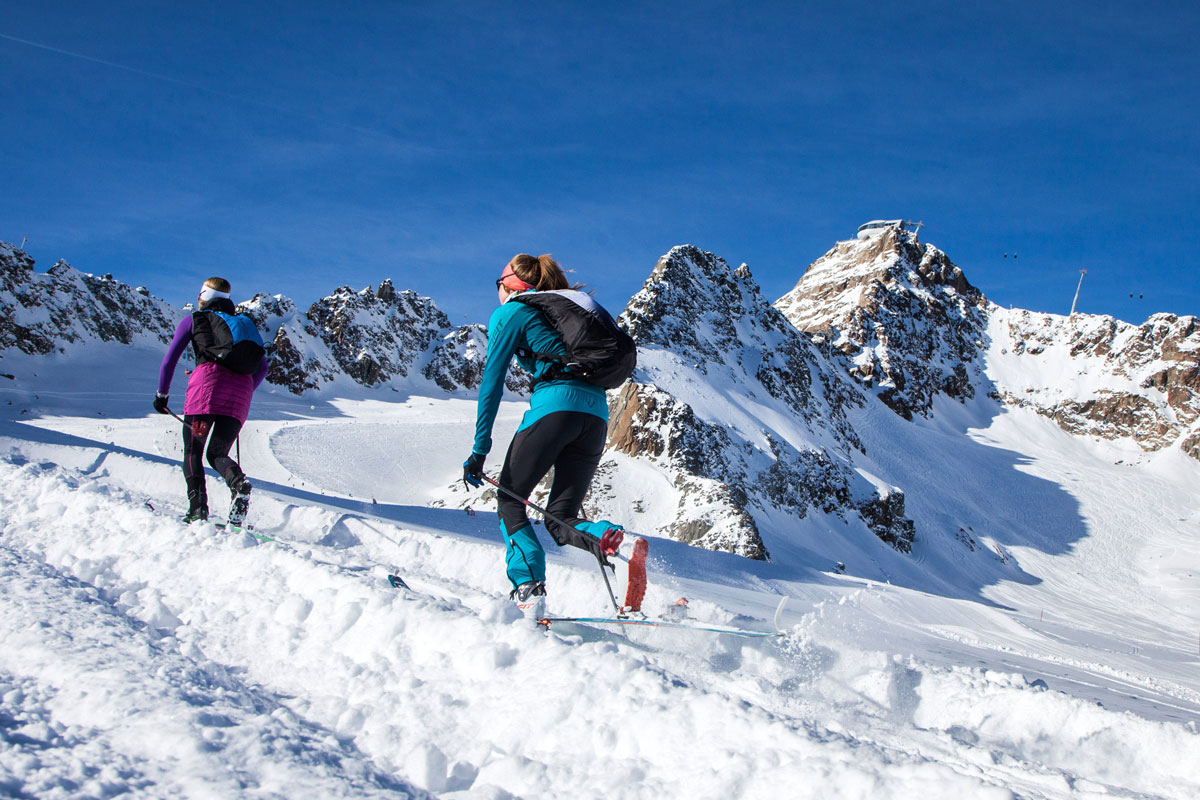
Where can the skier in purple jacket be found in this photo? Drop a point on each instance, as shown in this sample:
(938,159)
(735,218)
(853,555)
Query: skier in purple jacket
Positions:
(214,409)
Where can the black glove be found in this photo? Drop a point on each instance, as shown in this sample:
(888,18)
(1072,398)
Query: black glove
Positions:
(160,404)
(473,470)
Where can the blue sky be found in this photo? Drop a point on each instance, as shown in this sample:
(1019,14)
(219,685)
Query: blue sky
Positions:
(298,147)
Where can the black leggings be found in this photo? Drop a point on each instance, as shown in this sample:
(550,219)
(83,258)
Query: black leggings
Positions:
(221,432)
(569,441)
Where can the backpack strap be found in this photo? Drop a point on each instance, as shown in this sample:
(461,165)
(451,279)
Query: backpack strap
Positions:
(560,365)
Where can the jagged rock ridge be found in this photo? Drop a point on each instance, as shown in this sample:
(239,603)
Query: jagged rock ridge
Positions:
(1121,381)
(373,336)
(910,326)
(41,313)
(740,410)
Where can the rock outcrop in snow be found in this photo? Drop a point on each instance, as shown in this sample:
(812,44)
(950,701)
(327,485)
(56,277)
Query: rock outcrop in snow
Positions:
(740,410)
(374,337)
(42,313)
(901,312)
(1098,376)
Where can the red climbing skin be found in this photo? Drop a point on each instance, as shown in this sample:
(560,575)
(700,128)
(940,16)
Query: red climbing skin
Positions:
(635,589)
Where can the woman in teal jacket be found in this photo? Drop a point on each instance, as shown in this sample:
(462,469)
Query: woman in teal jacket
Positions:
(564,428)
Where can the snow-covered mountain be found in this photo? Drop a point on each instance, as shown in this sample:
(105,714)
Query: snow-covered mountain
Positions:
(902,314)
(43,313)
(736,429)
(1038,641)
(370,338)
(1100,377)
(373,337)
(740,413)
(911,328)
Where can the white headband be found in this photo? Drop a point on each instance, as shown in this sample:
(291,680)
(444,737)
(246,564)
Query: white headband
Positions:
(209,293)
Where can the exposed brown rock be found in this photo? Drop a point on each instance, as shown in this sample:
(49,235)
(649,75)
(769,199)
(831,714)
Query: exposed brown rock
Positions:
(1157,362)
(904,315)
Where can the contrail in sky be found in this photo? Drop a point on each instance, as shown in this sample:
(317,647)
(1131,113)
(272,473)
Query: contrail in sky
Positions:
(115,65)
(227,95)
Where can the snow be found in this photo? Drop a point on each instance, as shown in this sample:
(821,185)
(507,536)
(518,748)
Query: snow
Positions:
(1058,658)
(99,700)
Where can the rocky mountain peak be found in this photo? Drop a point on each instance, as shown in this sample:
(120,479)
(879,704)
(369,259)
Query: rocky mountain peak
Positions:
(696,305)
(386,291)
(16,266)
(715,319)
(901,312)
(719,371)
(44,312)
(375,336)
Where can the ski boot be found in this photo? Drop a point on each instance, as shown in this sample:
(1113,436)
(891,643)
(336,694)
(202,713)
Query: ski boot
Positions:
(530,598)
(197,502)
(195,515)
(240,503)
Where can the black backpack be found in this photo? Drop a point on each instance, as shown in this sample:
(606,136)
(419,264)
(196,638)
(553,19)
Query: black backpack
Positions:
(598,351)
(231,340)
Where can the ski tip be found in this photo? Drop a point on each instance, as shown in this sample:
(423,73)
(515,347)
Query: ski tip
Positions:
(779,614)
(398,583)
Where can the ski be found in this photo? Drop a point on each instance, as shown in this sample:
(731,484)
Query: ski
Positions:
(548,622)
(225,526)
(394,580)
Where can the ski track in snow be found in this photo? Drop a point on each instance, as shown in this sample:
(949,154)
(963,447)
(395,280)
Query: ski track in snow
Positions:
(140,655)
(99,703)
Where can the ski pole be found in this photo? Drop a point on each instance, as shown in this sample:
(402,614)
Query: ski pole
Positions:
(538,509)
(555,519)
(176,416)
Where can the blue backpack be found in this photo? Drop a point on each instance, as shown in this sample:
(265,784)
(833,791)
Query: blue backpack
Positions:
(231,340)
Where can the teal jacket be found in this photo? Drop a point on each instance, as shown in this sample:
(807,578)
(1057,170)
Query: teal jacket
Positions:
(513,327)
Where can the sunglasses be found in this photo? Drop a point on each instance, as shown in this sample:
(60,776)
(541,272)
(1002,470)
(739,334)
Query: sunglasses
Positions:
(509,280)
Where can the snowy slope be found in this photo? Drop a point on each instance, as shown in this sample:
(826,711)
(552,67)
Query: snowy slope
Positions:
(140,655)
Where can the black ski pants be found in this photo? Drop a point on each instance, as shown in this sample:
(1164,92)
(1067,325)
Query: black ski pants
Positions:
(221,432)
(569,441)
